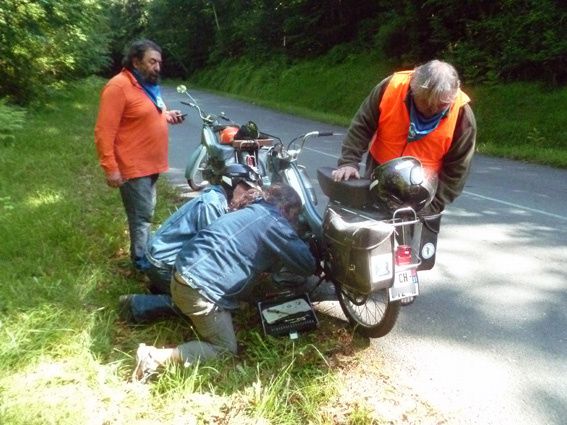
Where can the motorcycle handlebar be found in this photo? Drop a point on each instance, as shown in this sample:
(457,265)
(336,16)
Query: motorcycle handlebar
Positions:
(206,118)
(294,153)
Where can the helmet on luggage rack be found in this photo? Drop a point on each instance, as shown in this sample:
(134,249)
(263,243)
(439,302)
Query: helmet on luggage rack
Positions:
(403,182)
(248,131)
(239,173)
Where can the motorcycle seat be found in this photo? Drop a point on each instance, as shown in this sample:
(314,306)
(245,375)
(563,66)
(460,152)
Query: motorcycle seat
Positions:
(353,193)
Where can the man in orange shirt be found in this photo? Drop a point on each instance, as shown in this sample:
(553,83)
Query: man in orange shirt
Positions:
(131,138)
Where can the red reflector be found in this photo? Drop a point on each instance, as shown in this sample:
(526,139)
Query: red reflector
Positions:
(403,255)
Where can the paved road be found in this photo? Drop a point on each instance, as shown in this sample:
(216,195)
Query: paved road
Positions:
(486,342)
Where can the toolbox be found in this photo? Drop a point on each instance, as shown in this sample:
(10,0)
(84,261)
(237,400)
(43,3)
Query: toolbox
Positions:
(287,316)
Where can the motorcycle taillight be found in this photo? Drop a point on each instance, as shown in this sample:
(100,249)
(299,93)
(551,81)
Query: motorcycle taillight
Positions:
(403,255)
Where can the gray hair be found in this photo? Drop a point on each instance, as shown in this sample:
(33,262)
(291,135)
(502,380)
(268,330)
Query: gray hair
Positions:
(435,81)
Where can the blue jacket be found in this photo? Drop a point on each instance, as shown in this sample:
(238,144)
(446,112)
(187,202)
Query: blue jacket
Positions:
(229,254)
(182,225)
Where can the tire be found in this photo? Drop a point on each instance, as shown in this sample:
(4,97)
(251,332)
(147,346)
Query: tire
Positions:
(373,316)
(199,180)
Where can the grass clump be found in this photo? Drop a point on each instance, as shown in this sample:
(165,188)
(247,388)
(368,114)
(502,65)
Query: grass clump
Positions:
(11,119)
(65,356)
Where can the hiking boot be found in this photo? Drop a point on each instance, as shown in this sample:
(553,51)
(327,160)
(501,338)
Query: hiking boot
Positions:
(125,308)
(146,365)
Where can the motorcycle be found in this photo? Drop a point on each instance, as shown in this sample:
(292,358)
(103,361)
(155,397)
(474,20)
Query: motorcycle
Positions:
(219,147)
(370,254)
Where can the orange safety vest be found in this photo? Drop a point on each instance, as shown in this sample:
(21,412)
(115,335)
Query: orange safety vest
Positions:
(391,138)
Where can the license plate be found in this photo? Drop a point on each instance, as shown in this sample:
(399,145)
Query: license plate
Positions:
(405,284)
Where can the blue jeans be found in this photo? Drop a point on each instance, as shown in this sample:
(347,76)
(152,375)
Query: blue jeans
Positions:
(149,308)
(139,199)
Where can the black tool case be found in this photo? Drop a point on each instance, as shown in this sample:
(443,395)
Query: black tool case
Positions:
(287,315)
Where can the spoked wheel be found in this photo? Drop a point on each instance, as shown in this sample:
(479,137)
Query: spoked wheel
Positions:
(372,315)
(200,180)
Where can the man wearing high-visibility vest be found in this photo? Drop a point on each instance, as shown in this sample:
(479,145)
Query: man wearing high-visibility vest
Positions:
(421,113)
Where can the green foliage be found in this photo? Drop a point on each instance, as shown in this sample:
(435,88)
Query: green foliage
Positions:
(50,41)
(487,40)
(186,32)
(197,33)
(11,119)
(46,42)
(127,20)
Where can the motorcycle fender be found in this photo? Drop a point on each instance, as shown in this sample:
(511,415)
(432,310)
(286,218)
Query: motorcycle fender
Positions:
(194,161)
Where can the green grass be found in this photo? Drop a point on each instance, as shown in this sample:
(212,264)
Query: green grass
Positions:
(523,121)
(66,358)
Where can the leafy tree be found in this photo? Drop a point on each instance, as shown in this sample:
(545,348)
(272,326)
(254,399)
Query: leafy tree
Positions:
(128,20)
(486,39)
(186,32)
(49,41)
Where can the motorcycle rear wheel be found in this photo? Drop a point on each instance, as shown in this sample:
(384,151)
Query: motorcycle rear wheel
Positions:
(373,316)
(199,181)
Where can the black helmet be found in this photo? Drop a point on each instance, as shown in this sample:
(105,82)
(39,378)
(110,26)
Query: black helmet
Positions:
(236,173)
(403,182)
(248,131)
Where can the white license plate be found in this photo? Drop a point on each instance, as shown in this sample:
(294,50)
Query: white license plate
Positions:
(405,284)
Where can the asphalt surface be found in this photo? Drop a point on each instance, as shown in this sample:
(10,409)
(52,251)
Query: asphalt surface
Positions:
(486,341)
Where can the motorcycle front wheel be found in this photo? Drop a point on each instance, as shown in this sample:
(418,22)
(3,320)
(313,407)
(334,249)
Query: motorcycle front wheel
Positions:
(372,315)
(199,180)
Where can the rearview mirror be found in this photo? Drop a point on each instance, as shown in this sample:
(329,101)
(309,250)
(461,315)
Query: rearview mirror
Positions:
(181,88)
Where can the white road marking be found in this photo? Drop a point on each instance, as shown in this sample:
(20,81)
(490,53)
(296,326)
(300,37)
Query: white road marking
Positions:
(510,204)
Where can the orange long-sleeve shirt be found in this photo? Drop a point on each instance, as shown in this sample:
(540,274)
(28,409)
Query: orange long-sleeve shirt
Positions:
(131,135)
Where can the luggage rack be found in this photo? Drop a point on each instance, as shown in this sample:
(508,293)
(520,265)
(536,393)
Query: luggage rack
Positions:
(251,144)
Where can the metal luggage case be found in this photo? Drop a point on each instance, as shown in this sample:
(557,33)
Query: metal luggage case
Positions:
(361,250)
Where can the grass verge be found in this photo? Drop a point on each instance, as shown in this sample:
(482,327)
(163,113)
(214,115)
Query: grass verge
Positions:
(65,356)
